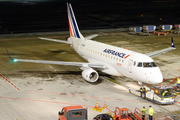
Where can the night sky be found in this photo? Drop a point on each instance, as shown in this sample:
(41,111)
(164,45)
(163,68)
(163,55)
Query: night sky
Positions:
(26,16)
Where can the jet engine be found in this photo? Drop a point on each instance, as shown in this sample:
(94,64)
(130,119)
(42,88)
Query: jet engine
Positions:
(90,75)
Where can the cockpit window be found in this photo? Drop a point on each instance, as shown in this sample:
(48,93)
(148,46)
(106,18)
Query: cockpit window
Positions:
(153,64)
(139,64)
(147,64)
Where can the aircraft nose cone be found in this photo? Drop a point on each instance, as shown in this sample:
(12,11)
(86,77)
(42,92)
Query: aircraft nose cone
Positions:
(157,76)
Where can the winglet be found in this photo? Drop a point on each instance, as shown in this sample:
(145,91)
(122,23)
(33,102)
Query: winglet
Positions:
(14,60)
(172,42)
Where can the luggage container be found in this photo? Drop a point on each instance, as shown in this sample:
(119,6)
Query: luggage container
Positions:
(138,29)
(150,28)
(177,26)
(166,27)
(134,30)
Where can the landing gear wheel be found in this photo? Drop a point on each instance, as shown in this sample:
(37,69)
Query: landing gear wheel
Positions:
(129,91)
(143,95)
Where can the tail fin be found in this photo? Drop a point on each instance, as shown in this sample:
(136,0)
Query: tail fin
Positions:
(73,27)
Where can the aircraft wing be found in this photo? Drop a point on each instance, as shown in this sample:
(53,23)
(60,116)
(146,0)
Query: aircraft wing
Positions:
(155,53)
(91,36)
(55,40)
(80,64)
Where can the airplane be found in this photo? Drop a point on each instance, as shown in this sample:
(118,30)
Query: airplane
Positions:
(107,58)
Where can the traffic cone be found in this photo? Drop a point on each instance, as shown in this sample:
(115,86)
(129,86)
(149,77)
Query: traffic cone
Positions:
(105,104)
(97,106)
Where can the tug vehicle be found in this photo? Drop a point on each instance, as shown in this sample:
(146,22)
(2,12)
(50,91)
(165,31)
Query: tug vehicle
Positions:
(160,94)
(160,33)
(73,113)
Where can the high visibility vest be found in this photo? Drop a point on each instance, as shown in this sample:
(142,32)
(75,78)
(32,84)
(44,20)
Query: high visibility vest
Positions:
(178,81)
(151,111)
(143,111)
(164,93)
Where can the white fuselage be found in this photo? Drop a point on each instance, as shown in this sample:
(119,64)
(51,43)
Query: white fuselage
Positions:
(118,61)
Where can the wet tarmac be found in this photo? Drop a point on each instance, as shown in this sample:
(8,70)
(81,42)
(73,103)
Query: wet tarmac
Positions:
(38,91)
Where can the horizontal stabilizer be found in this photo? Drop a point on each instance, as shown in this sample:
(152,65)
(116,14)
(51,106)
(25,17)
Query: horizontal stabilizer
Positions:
(55,40)
(91,36)
(155,53)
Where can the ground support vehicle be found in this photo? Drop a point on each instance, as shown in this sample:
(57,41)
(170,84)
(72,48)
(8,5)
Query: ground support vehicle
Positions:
(176,31)
(126,114)
(132,33)
(103,117)
(160,33)
(160,95)
(144,33)
(73,113)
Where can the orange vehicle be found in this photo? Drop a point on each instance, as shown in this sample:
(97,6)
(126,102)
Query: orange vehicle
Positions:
(160,33)
(126,114)
(73,113)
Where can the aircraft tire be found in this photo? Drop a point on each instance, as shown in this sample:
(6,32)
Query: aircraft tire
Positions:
(143,95)
(129,91)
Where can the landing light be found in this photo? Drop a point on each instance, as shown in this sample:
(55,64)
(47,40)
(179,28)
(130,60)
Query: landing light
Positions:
(14,60)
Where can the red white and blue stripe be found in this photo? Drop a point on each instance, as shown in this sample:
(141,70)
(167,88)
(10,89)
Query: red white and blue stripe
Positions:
(73,27)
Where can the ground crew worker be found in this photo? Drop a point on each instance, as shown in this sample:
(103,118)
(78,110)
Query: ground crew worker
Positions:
(143,113)
(178,83)
(164,93)
(151,111)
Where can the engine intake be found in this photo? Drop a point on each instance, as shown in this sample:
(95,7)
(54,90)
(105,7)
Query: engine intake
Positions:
(90,75)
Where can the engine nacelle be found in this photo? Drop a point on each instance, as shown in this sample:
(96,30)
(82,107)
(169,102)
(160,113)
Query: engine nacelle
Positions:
(90,75)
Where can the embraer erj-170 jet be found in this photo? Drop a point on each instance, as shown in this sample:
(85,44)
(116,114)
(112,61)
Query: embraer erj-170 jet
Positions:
(106,58)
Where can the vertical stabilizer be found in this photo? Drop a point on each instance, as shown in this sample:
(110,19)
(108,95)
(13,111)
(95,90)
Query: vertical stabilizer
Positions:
(73,27)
